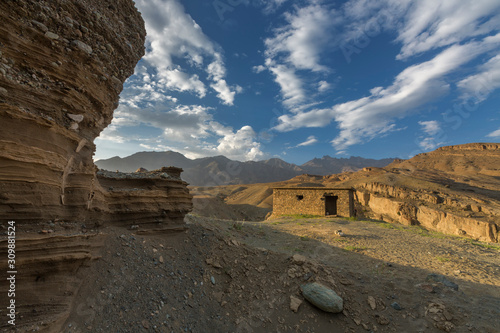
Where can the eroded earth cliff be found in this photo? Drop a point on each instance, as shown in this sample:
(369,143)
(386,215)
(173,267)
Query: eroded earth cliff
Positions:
(62,68)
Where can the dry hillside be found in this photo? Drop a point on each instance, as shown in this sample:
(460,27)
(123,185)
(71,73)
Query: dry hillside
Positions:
(452,189)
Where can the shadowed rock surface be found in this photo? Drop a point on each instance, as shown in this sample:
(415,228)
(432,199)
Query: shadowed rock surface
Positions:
(62,66)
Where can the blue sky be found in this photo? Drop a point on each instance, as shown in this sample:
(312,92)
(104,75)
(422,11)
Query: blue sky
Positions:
(255,79)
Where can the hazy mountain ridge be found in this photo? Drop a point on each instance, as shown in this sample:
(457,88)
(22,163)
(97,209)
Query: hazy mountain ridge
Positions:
(219,170)
(328,165)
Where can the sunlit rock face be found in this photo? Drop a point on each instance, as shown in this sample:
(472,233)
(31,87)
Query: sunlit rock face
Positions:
(62,67)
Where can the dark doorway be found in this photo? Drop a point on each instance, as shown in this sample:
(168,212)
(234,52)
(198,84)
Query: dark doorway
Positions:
(331,205)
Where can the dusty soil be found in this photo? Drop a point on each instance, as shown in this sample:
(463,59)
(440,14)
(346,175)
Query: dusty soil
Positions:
(227,276)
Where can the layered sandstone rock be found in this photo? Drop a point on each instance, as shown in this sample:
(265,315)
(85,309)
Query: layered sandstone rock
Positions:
(157,199)
(471,158)
(48,267)
(62,67)
(453,190)
(428,216)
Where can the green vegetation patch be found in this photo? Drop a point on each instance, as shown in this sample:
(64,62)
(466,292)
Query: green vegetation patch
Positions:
(483,245)
(442,259)
(427,233)
(238,226)
(355,248)
(302,216)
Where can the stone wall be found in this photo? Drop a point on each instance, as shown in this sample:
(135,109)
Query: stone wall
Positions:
(311,201)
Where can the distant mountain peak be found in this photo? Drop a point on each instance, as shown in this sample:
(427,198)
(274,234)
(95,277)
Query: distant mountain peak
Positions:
(216,170)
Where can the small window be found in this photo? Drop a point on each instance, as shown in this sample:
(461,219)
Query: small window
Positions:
(300,197)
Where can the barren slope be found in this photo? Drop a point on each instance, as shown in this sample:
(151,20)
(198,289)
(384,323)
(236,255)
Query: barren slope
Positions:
(453,190)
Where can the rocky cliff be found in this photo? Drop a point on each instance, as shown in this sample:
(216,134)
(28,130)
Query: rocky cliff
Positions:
(152,200)
(62,67)
(453,189)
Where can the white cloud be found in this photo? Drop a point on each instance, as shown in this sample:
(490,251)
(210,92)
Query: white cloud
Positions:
(291,86)
(259,68)
(310,141)
(480,85)
(494,134)
(429,143)
(323,86)
(172,36)
(181,81)
(371,116)
(304,38)
(298,46)
(224,92)
(271,5)
(431,24)
(240,145)
(430,127)
(190,130)
(459,31)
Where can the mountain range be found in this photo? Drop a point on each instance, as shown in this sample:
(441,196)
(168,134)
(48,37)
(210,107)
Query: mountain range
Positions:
(219,170)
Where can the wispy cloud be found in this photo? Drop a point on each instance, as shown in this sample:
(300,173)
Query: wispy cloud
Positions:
(421,27)
(323,86)
(430,128)
(270,6)
(298,46)
(480,85)
(310,141)
(431,24)
(494,134)
(190,130)
(301,42)
(173,36)
(291,85)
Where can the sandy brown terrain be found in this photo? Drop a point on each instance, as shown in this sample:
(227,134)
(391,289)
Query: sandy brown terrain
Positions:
(229,276)
(96,257)
(452,190)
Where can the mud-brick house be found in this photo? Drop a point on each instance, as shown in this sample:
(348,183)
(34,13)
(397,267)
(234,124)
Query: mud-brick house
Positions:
(313,201)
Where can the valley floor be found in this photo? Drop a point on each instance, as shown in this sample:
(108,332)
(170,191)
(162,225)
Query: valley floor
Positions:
(227,276)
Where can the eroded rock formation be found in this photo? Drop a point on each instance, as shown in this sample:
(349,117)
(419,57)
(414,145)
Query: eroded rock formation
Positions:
(453,189)
(155,200)
(62,67)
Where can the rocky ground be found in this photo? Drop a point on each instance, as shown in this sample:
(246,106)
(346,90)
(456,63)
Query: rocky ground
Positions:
(226,276)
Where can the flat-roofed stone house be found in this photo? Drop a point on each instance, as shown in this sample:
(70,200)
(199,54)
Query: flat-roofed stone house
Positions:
(320,201)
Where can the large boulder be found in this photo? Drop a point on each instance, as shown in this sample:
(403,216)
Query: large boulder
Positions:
(323,297)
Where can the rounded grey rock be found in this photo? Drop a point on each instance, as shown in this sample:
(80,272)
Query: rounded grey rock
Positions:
(323,297)
(51,35)
(82,46)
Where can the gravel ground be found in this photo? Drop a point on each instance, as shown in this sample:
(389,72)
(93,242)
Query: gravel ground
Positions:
(226,276)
